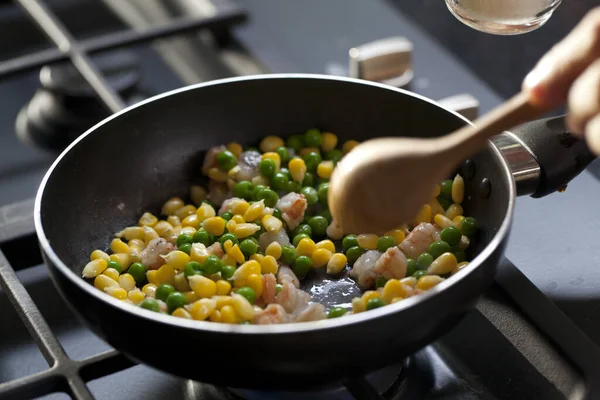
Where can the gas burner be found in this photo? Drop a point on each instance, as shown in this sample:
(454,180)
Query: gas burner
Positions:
(65,106)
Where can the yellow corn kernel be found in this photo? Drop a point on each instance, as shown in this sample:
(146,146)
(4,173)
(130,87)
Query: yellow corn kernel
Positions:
(131,232)
(436,207)
(177,259)
(111,273)
(393,289)
(223,287)
(325,169)
(442,221)
(199,253)
(151,276)
(458,189)
(149,290)
(118,246)
(123,259)
(242,307)
(367,241)
(271,223)
(239,219)
(349,146)
(245,230)
(215,316)
(320,257)
(409,281)
(166,274)
(181,283)
(306,247)
(270,143)
(327,245)
(428,281)
(202,286)
(162,226)
(191,221)
(228,260)
(274,250)
(182,313)
(358,305)
(235,148)
(205,211)
(172,205)
(94,268)
(99,254)
(370,294)
(297,169)
(184,211)
(437,189)
(116,292)
(197,194)
(255,282)
(102,282)
(424,214)
(460,266)
(334,231)
(189,230)
(329,141)
(336,263)
(230,225)
(254,211)
(147,219)
(217,175)
(396,299)
(442,265)
(138,244)
(454,211)
(240,208)
(271,155)
(150,234)
(257,257)
(458,220)
(127,282)
(201,309)
(136,296)
(236,253)
(268,265)
(173,220)
(214,225)
(397,234)
(228,315)
(222,301)
(190,297)
(305,150)
(241,274)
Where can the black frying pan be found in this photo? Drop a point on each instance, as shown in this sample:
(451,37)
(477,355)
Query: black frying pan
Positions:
(136,159)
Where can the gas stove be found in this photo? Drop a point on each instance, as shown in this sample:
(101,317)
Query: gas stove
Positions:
(534,334)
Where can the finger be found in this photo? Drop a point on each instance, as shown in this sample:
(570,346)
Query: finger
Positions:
(584,98)
(592,134)
(549,82)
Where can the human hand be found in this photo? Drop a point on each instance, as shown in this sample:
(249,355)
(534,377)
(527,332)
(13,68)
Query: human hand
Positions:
(570,72)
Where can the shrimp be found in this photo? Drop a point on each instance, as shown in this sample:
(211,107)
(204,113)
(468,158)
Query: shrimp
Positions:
(273,314)
(392,264)
(292,299)
(151,255)
(269,289)
(218,192)
(267,238)
(312,312)
(292,207)
(215,249)
(286,275)
(418,240)
(363,269)
(210,160)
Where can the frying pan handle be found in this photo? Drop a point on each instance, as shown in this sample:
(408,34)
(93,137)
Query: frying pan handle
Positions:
(560,156)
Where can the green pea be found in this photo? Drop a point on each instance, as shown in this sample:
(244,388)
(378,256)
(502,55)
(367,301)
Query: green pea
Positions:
(310,194)
(325,214)
(385,242)
(138,271)
(278,288)
(295,142)
(277,213)
(184,238)
(309,179)
(284,154)
(334,155)
(458,253)
(419,273)
(294,186)
(313,138)
(248,293)
(318,225)
(114,265)
(322,194)
(302,228)
(299,237)
(150,304)
(438,248)
(411,266)
(226,160)
(227,216)
(228,236)
(444,202)
(192,268)
(288,255)
(302,266)
(267,167)
(424,261)
(201,236)
(286,172)
(257,192)
(469,226)
(186,248)
(451,235)
(227,271)
(336,312)
(280,181)
(270,197)
(312,161)
(349,241)
(175,300)
(353,253)
(243,190)
(248,247)
(380,282)
(163,291)
(374,303)
(446,189)
(212,265)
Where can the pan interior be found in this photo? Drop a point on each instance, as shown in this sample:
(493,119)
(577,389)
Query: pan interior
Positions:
(134,162)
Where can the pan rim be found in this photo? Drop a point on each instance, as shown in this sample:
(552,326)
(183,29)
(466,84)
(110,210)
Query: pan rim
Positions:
(289,328)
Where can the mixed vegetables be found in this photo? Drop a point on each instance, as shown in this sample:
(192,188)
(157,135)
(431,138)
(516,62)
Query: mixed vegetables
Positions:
(239,250)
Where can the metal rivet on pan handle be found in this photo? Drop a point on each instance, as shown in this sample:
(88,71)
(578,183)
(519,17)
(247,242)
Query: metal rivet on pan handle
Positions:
(464,104)
(387,61)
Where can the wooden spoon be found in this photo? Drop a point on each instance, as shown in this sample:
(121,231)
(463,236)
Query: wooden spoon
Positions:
(382,183)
